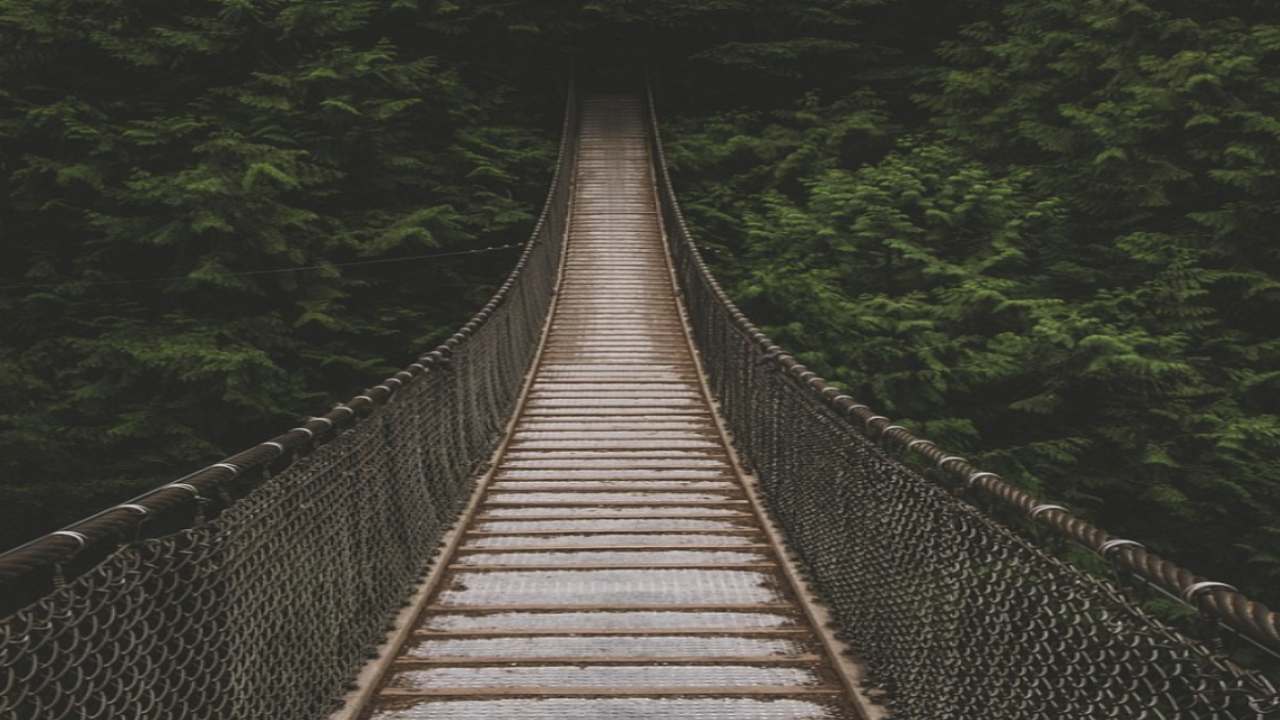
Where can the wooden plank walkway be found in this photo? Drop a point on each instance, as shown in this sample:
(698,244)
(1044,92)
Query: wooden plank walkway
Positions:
(615,566)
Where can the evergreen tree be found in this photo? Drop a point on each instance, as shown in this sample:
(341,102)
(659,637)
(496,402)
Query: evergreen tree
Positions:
(203,143)
(1062,267)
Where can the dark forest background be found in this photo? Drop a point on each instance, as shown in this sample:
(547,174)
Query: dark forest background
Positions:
(1038,231)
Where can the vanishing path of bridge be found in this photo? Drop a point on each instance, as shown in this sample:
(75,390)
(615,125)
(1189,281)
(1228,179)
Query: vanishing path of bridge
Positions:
(615,553)
(580,532)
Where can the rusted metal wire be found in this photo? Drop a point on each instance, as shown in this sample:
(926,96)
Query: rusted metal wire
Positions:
(954,613)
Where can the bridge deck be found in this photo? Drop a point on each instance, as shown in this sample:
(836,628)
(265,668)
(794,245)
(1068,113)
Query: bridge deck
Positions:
(616,566)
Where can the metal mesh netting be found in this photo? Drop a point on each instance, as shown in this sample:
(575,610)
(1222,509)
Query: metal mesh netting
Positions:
(271,608)
(953,614)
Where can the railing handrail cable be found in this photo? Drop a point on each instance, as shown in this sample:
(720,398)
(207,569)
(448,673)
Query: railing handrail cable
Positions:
(118,521)
(1220,601)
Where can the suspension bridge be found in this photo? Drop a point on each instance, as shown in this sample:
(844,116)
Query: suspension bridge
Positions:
(609,495)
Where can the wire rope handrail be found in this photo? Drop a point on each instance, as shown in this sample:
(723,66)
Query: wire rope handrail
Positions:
(255,586)
(818,451)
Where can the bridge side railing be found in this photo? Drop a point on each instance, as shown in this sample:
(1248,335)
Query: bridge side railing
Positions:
(257,586)
(953,613)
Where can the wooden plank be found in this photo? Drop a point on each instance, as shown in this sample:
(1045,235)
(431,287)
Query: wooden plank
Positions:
(614,691)
(477,567)
(608,607)
(656,531)
(611,548)
(613,503)
(464,660)
(612,632)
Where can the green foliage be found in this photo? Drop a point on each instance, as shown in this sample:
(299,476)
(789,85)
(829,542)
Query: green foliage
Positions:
(199,141)
(1038,231)
(1062,266)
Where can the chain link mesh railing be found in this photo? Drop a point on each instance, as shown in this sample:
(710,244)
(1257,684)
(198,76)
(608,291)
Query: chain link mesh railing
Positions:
(953,614)
(256,588)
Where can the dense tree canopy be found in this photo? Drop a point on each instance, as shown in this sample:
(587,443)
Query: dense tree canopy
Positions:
(1035,230)
(194,142)
(1055,258)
